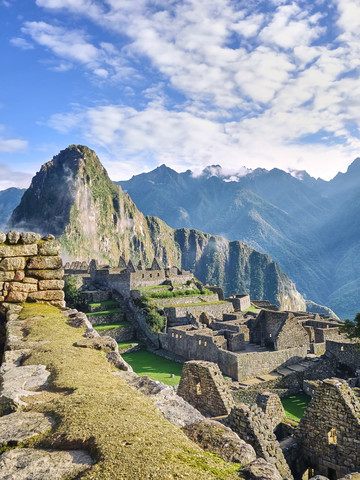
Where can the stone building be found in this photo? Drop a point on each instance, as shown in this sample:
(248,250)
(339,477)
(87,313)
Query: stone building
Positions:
(329,431)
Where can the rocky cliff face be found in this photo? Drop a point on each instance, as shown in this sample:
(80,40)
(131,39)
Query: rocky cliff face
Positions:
(73,198)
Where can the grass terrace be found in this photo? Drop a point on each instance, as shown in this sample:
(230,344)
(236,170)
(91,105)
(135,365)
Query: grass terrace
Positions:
(110,326)
(105,303)
(155,367)
(196,304)
(121,428)
(114,310)
(295,405)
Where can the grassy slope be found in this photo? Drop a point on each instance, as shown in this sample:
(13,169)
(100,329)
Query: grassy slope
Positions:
(123,430)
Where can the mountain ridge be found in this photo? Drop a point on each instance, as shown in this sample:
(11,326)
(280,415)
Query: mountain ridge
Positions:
(73,197)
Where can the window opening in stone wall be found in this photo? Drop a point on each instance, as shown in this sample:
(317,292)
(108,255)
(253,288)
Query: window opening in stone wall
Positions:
(204,344)
(342,348)
(150,275)
(308,474)
(199,342)
(198,389)
(332,437)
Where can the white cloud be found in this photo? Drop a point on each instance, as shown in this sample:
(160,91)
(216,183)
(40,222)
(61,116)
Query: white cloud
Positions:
(10,178)
(21,43)
(12,145)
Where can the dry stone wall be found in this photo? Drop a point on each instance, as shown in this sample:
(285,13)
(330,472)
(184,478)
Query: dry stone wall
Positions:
(30,269)
(203,386)
(252,426)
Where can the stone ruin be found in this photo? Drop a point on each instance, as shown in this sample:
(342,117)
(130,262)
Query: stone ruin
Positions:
(30,269)
(203,386)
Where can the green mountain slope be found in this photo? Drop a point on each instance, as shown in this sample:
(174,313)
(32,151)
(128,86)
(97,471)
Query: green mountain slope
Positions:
(73,198)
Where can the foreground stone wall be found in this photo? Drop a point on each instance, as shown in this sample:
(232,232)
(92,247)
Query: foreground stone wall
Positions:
(30,269)
(329,431)
(346,353)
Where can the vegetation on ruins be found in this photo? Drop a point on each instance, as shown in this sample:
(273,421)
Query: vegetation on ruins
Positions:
(110,326)
(178,293)
(351,328)
(155,319)
(72,292)
(295,405)
(98,411)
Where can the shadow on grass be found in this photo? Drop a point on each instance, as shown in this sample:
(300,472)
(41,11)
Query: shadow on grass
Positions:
(295,405)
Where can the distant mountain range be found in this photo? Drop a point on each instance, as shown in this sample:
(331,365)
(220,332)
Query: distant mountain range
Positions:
(9,199)
(73,198)
(309,226)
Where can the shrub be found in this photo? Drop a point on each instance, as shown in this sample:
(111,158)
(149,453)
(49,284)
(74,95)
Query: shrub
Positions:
(155,320)
(72,292)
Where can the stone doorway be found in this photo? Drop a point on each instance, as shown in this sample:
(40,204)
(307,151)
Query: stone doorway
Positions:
(309,473)
(332,475)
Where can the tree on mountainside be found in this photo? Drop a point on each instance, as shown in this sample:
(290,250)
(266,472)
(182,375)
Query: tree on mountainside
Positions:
(351,328)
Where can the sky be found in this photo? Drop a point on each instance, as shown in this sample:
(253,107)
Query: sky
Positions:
(187,83)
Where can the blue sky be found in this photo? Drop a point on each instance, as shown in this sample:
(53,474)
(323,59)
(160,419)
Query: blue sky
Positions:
(188,83)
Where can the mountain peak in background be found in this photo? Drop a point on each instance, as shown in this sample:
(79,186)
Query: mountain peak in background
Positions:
(73,198)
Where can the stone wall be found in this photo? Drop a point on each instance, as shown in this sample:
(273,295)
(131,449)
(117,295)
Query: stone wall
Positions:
(30,269)
(260,363)
(216,310)
(271,405)
(329,431)
(203,386)
(252,426)
(291,334)
(346,353)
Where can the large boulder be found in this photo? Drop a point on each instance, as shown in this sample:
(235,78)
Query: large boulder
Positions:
(260,469)
(220,440)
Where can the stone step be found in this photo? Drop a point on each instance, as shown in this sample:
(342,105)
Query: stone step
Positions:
(284,371)
(296,367)
(269,377)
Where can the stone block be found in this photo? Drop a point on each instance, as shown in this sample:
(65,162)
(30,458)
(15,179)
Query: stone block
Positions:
(19,276)
(46,274)
(20,426)
(16,297)
(2,237)
(6,276)
(49,248)
(29,238)
(51,284)
(47,295)
(22,287)
(13,237)
(45,263)
(18,250)
(12,263)
(30,280)
(58,303)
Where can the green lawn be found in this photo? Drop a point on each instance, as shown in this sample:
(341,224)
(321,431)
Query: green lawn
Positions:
(109,326)
(295,405)
(155,367)
(252,308)
(196,304)
(105,303)
(114,310)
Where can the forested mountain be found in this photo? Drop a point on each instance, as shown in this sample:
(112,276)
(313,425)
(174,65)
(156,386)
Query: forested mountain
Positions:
(309,226)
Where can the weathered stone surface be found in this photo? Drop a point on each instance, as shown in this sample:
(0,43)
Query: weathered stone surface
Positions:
(51,284)
(271,405)
(18,382)
(260,470)
(80,320)
(116,359)
(6,276)
(16,297)
(350,476)
(46,274)
(13,237)
(48,237)
(30,280)
(12,263)
(32,464)
(29,237)
(319,477)
(23,287)
(45,263)
(91,333)
(174,408)
(49,248)
(20,426)
(46,295)
(2,237)
(57,303)
(220,440)
(107,344)
(19,276)
(18,250)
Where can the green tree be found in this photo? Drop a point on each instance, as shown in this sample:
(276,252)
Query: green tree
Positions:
(72,292)
(351,328)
